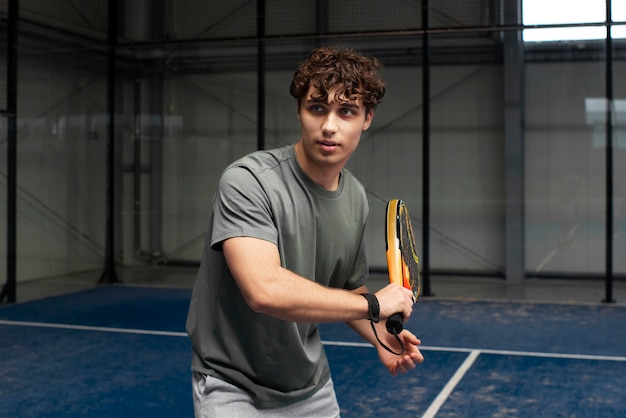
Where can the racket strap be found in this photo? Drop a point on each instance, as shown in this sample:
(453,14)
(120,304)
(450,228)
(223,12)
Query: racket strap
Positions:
(383,345)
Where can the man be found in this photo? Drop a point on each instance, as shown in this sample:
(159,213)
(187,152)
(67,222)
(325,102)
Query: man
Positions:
(285,251)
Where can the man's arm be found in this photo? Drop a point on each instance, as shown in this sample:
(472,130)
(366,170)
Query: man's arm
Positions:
(269,288)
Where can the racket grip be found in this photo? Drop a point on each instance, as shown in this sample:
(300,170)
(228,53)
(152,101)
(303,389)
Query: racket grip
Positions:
(394,324)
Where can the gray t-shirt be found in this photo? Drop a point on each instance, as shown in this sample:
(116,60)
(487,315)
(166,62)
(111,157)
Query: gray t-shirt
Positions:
(319,234)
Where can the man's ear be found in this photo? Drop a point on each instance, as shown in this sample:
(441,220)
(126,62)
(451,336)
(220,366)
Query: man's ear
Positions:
(368,120)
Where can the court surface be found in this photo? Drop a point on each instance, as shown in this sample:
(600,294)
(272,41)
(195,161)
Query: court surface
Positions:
(121,351)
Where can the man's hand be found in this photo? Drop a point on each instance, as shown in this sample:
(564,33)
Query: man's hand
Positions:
(395,299)
(399,364)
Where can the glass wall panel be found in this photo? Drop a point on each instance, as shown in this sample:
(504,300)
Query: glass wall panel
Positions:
(455,14)
(183,126)
(4,27)
(565,158)
(373,16)
(87,18)
(61,144)
(281,123)
(466,160)
(191,20)
(3,142)
(3,65)
(287,17)
(3,200)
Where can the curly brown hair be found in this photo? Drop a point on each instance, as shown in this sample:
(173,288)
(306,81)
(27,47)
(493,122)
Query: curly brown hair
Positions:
(355,76)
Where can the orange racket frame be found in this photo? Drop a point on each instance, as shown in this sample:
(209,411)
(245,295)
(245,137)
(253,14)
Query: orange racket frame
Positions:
(398,270)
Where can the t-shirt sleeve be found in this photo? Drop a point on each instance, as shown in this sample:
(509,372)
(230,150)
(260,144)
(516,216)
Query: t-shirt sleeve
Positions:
(241,208)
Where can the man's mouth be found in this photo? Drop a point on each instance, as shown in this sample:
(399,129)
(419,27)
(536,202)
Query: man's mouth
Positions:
(328,144)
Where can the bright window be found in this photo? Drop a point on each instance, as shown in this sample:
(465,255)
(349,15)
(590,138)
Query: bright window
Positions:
(554,12)
(619,10)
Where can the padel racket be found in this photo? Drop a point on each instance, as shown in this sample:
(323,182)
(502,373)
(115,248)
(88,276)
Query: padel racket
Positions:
(402,259)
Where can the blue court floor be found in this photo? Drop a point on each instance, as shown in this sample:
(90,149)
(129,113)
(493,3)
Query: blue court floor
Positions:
(121,351)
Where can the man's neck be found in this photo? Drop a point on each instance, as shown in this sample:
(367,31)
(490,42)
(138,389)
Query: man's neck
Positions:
(325,177)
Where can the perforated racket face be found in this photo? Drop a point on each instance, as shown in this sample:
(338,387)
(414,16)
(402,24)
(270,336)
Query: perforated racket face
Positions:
(410,260)
(402,259)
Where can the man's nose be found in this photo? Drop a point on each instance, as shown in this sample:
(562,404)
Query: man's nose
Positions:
(329,125)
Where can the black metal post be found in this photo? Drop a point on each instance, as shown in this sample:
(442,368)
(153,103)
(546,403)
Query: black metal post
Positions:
(137,169)
(426,150)
(321,18)
(109,275)
(9,290)
(608,298)
(260,106)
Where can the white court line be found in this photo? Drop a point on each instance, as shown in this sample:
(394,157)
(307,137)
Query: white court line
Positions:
(528,353)
(449,387)
(497,352)
(88,328)
(332,343)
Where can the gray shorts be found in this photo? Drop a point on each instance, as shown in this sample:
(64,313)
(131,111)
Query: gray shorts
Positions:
(215,398)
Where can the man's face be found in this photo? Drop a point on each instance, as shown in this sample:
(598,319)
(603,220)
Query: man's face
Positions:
(331,129)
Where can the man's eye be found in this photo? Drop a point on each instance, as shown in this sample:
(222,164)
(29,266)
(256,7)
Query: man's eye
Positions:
(316,108)
(347,111)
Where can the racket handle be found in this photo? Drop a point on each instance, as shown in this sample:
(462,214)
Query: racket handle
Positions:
(394,324)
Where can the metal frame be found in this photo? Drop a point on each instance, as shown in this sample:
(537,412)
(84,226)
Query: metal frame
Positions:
(9,291)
